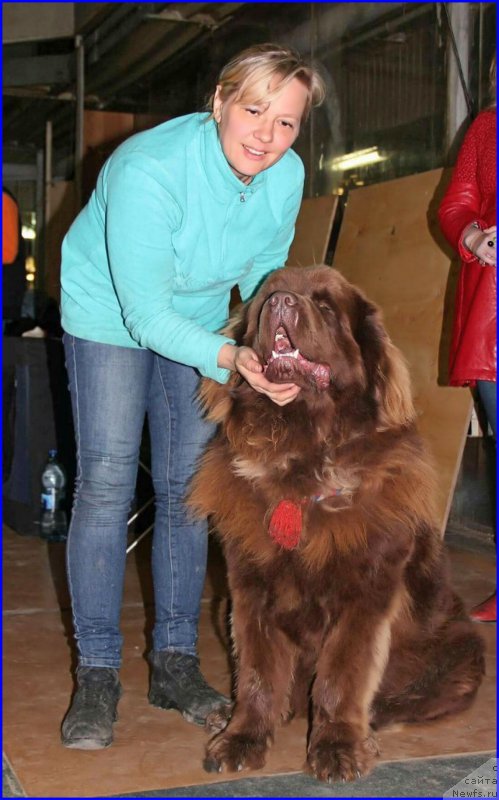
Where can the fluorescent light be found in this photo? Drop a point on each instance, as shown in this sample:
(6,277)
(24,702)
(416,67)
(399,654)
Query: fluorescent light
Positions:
(359,158)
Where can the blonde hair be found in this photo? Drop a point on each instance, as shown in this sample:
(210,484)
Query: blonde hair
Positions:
(248,76)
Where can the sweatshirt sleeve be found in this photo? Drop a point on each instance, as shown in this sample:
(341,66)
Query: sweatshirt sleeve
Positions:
(141,216)
(276,254)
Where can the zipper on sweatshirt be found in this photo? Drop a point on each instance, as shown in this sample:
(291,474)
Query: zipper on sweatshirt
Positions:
(240,198)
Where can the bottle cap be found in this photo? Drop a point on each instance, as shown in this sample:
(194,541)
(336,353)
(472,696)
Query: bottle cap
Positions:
(52,453)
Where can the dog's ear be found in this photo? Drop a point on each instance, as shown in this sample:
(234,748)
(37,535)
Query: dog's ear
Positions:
(394,387)
(216,398)
(386,369)
(238,323)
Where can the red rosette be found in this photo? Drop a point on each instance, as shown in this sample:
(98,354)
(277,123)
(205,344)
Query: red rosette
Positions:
(286,524)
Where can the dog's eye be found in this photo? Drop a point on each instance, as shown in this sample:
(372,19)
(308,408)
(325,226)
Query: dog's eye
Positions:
(324,307)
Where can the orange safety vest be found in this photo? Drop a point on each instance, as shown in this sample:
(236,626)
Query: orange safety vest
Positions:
(10,228)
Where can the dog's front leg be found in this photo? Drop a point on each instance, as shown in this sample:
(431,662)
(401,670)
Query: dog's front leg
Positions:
(350,667)
(265,659)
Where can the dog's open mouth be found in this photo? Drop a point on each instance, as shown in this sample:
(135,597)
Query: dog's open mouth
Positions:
(286,364)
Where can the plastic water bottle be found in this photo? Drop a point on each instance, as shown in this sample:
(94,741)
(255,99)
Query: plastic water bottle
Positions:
(53,520)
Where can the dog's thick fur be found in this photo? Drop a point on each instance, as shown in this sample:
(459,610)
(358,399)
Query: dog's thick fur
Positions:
(357,623)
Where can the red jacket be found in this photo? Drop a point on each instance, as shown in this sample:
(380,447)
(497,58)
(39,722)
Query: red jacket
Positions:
(471,197)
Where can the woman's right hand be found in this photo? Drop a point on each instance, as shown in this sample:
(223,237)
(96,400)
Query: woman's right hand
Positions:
(478,243)
(245,361)
(248,365)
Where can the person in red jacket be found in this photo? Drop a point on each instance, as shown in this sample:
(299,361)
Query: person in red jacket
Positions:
(467,216)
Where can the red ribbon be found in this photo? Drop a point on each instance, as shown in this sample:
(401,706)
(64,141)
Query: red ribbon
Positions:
(286,524)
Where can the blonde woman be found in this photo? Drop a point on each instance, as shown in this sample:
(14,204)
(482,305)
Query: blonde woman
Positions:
(180,215)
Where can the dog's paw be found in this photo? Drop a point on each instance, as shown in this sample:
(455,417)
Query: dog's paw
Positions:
(218,719)
(235,752)
(331,761)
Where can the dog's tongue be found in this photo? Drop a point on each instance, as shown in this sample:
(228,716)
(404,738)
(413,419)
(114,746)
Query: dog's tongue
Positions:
(321,373)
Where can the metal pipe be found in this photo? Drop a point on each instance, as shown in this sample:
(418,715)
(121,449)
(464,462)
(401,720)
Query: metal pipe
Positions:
(47,178)
(140,510)
(47,185)
(480,54)
(457,109)
(313,43)
(138,539)
(79,118)
(40,221)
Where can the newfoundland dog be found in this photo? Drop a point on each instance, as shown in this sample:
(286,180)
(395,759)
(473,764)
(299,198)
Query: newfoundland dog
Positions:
(341,601)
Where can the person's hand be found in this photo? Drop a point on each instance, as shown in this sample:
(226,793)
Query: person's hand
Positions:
(481,243)
(247,364)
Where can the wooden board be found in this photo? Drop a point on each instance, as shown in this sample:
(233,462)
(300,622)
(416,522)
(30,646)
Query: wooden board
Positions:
(313,231)
(391,247)
(312,234)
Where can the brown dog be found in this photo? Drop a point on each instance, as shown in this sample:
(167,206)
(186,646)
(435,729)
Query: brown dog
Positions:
(340,593)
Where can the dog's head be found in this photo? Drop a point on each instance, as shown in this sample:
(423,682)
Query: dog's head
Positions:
(311,327)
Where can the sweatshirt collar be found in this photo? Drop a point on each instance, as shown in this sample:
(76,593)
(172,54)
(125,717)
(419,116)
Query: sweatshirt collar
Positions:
(221,179)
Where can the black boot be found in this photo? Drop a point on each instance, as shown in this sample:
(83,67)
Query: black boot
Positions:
(176,682)
(89,722)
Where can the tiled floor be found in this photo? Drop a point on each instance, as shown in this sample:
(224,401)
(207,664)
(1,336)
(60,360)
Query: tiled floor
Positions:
(157,750)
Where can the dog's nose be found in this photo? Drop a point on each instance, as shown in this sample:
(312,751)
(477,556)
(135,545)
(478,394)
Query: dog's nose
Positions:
(280,301)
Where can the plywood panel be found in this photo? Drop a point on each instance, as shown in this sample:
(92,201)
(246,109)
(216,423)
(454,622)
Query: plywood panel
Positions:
(391,247)
(103,131)
(313,230)
(312,234)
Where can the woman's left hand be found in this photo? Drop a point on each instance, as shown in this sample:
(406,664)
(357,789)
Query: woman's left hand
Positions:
(481,243)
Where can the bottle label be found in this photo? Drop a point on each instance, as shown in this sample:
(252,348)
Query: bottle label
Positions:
(49,500)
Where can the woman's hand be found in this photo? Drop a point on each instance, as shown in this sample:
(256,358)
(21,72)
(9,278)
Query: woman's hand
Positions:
(245,361)
(481,243)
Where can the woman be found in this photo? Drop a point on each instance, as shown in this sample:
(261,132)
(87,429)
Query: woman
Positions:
(180,215)
(467,217)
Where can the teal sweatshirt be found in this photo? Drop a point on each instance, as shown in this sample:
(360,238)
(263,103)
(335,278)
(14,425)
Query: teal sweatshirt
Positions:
(169,230)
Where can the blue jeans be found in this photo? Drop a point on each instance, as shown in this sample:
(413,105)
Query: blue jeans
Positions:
(112,389)
(488,396)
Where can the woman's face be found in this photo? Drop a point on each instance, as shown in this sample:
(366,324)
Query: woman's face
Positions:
(255,136)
